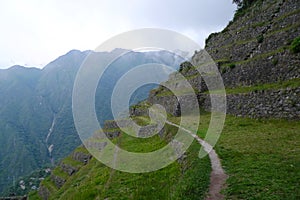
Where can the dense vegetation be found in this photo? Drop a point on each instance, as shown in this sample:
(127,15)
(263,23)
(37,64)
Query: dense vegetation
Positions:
(24,185)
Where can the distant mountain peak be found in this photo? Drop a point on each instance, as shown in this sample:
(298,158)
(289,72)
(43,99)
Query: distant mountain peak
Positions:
(16,67)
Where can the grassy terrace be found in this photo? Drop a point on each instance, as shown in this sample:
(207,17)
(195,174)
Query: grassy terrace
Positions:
(134,144)
(292,83)
(257,57)
(74,163)
(60,173)
(268,35)
(185,180)
(262,157)
(49,185)
(179,92)
(81,149)
(141,120)
(259,24)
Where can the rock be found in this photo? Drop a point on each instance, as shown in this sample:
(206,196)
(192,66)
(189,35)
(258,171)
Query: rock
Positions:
(44,193)
(270,103)
(68,168)
(57,180)
(81,157)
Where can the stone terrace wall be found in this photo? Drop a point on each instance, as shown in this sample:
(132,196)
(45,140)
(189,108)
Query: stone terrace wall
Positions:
(262,104)
(251,50)
(276,23)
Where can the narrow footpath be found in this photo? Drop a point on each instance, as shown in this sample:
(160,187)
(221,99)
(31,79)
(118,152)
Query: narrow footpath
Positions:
(217,176)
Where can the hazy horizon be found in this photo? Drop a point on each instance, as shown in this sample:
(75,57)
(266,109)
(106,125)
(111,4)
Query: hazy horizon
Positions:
(37,32)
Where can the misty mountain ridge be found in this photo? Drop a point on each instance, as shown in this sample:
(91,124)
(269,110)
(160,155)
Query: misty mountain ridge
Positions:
(36,122)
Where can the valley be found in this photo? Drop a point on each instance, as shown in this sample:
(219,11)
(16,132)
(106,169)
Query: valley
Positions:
(251,153)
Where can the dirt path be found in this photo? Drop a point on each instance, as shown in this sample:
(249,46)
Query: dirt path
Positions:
(217,176)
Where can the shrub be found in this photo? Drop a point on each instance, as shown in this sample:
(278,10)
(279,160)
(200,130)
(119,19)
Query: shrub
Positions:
(275,62)
(243,3)
(295,46)
(243,6)
(185,67)
(260,38)
(223,70)
(231,65)
(209,37)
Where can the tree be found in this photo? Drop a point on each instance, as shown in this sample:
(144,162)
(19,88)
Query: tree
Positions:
(239,3)
(243,3)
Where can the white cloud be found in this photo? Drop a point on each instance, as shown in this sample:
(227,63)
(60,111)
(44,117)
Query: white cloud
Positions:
(34,32)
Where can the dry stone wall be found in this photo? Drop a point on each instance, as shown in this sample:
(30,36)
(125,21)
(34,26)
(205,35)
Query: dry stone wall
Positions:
(256,45)
(251,50)
(282,103)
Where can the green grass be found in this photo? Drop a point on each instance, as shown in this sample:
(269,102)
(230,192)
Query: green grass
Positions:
(141,120)
(60,173)
(141,145)
(143,104)
(287,15)
(268,35)
(188,179)
(70,161)
(34,195)
(261,157)
(263,23)
(259,24)
(279,30)
(262,55)
(292,83)
(222,61)
(295,46)
(47,183)
(182,92)
(225,67)
(81,149)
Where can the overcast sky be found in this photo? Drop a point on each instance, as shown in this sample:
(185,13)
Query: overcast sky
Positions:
(35,32)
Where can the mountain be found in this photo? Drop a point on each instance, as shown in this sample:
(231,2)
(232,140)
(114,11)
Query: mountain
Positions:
(257,58)
(21,126)
(36,121)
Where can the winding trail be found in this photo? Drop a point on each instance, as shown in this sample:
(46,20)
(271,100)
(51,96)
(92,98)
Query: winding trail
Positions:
(217,176)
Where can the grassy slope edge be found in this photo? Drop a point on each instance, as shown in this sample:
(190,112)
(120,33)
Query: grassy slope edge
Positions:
(187,179)
(261,157)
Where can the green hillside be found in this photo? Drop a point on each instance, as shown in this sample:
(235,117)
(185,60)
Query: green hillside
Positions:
(258,57)
(36,109)
(261,158)
(187,178)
